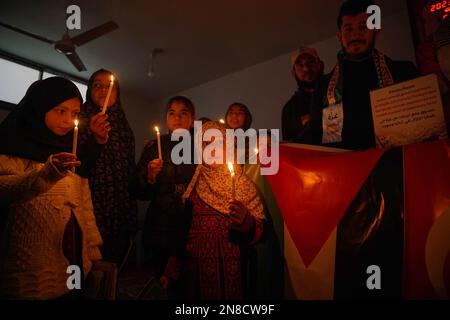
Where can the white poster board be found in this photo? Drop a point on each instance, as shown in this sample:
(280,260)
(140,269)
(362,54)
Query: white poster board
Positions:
(408,112)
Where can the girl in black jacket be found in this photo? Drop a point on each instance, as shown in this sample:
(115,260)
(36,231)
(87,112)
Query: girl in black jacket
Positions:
(163,183)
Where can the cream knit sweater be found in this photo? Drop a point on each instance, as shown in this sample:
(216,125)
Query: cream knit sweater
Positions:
(40,200)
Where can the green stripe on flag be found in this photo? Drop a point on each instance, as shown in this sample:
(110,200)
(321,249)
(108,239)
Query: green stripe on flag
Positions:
(270,264)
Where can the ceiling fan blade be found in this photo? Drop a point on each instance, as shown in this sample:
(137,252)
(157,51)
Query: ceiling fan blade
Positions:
(76,61)
(94,33)
(26,33)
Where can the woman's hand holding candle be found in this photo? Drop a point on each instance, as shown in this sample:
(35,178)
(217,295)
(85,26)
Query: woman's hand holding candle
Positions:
(100,127)
(237,212)
(64,161)
(154,167)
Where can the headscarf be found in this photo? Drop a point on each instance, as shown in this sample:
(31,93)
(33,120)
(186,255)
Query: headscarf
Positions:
(248,115)
(24,133)
(213,183)
(184,100)
(115,210)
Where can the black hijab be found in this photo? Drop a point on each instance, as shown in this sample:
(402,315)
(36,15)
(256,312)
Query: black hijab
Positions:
(109,178)
(244,108)
(24,133)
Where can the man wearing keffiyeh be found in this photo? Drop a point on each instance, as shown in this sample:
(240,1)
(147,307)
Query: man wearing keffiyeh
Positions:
(341,114)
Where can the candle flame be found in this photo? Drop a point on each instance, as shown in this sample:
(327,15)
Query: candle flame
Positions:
(112,78)
(222,121)
(76,122)
(256,150)
(230,167)
(156,129)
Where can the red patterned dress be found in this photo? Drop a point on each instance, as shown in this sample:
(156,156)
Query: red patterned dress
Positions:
(213,263)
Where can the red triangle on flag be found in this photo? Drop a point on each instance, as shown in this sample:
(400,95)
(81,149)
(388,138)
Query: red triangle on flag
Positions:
(314,188)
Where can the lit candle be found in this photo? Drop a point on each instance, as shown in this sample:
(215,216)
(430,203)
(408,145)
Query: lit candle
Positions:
(158,139)
(222,121)
(75,140)
(111,83)
(256,154)
(233,181)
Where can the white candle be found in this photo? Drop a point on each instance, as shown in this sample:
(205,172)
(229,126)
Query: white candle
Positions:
(233,181)
(158,139)
(255,155)
(105,105)
(75,138)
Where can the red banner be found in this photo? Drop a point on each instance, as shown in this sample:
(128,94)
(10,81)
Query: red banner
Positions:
(427,221)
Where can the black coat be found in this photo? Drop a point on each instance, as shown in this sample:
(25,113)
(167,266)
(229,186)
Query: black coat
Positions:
(359,79)
(167,220)
(297,106)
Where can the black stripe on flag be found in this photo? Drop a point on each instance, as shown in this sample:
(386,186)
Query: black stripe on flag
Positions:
(371,233)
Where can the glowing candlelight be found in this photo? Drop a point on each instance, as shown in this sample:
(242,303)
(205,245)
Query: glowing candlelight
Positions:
(158,139)
(222,121)
(254,155)
(233,181)
(111,83)
(75,140)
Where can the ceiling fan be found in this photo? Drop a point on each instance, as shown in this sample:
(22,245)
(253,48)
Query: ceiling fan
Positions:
(67,44)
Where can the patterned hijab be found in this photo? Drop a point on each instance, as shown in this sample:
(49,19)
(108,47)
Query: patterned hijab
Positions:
(109,179)
(24,133)
(213,183)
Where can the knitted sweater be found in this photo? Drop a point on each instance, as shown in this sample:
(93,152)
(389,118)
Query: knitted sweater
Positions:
(39,201)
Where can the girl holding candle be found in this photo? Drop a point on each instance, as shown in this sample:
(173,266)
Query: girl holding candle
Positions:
(109,176)
(221,228)
(158,179)
(49,221)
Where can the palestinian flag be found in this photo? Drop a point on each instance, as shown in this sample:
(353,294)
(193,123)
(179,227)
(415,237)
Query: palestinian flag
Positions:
(336,215)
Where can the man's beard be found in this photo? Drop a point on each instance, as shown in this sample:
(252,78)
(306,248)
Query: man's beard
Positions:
(362,55)
(308,85)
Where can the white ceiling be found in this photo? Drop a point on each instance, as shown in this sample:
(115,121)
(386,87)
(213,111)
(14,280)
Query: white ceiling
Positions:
(202,40)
